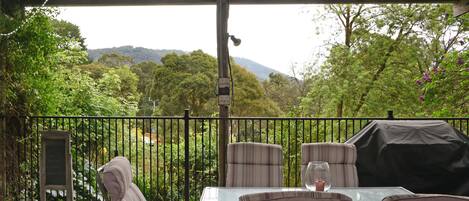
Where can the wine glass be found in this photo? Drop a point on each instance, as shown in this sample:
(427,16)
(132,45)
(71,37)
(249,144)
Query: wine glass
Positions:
(317,176)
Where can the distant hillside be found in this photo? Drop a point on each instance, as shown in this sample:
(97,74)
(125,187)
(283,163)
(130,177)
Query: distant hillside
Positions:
(262,72)
(141,54)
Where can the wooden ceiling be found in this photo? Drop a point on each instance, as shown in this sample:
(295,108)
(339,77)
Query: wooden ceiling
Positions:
(213,2)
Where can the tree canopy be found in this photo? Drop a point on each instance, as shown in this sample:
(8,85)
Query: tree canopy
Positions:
(387,48)
(410,58)
(189,81)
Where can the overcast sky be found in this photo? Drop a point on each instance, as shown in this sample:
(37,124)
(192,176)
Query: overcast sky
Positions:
(275,35)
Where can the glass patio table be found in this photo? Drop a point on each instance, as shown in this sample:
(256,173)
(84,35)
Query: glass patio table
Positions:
(357,194)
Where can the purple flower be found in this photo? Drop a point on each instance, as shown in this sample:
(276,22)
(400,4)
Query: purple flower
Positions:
(426,77)
(435,69)
(419,82)
(422,98)
(460,61)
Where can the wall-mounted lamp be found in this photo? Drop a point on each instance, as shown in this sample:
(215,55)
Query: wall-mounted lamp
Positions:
(236,41)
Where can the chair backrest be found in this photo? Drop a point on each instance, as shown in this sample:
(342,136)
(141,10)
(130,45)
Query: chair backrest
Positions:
(341,159)
(295,196)
(254,165)
(425,197)
(115,181)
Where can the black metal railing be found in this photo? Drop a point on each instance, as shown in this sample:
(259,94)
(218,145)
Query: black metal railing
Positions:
(173,158)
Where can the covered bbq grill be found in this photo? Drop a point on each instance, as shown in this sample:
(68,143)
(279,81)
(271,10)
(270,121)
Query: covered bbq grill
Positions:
(422,156)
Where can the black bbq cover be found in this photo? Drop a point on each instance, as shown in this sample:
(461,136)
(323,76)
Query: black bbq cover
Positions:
(422,156)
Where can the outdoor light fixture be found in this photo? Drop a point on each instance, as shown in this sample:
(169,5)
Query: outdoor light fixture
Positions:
(236,41)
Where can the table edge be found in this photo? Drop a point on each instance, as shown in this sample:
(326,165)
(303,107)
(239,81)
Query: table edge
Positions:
(384,187)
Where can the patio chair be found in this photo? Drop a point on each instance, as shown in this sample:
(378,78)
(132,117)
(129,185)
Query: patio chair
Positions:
(254,165)
(295,196)
(341,159)
(115,181)
(425,197)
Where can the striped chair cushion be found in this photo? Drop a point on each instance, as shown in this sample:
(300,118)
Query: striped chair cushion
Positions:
(341,159)
(254,153)
(425,197)
(295,196)
(254,165)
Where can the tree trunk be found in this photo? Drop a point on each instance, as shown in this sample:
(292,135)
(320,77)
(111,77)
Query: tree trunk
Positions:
(381,68)
(340,107)
(348,26)
(3,141)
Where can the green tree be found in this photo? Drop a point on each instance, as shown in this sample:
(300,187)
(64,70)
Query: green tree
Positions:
(185,81)
(282,90)
(69,31)
(115,60)
(444,88)
(37,78)
(94,70)
(249,97)
(145,72)
(384,51)
(189,81)
(121,84)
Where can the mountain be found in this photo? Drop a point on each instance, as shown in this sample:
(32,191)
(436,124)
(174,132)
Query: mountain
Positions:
(262,72)
(140,54)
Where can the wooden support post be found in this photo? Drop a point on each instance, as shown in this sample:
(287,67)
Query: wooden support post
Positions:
(223,86)
(460,7)
(3,139)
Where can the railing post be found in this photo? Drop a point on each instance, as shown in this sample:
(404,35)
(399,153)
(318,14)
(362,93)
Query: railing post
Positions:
(224,100)
(186,155)
(390,115)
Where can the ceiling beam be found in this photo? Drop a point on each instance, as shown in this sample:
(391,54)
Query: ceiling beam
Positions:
(461,7)
(213,2)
